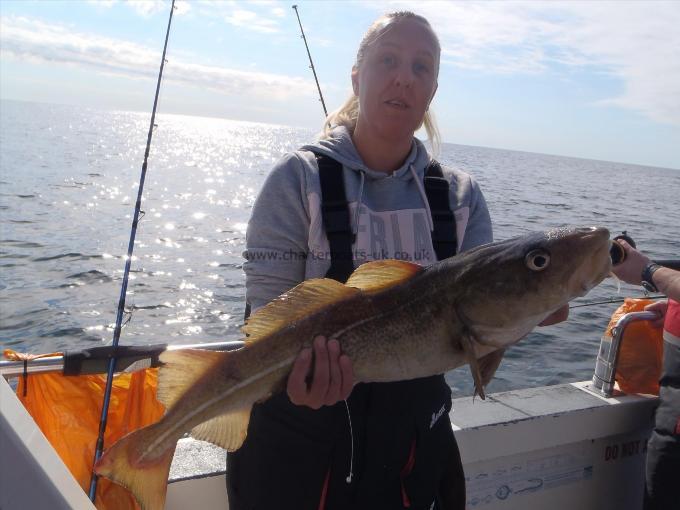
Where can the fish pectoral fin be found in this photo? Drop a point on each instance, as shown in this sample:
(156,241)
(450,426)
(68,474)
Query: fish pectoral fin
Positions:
(471,356)
(302,300)
(488,364)
(379,275)
(181,369)
(227,430)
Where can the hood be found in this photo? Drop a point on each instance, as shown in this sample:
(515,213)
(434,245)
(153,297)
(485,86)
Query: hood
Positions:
(341,148)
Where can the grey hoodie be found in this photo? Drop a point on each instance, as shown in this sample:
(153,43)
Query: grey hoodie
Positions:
(286,242)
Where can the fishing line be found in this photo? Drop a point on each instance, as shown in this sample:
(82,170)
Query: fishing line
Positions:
(616,300)
(126,275)
(351,438)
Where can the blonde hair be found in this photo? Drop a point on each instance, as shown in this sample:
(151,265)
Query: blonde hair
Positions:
(348,113)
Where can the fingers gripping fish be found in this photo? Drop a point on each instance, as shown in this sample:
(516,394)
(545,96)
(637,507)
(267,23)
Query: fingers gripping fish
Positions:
(394,319)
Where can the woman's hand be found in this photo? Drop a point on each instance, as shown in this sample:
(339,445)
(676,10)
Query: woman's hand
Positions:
(658,307)
(331,379)
(559,315)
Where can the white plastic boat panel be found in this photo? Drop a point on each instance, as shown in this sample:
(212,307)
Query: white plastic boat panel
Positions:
(31,473)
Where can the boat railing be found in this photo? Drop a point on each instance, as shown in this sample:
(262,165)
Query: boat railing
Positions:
(95,360)
(608,355)
(129,358)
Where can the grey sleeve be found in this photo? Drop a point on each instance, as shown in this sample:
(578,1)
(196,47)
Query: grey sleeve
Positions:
(478,230)
(277,235)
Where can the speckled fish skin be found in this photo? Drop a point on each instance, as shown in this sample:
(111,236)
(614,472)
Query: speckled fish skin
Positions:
(415,329)
(488,293)
(451,313)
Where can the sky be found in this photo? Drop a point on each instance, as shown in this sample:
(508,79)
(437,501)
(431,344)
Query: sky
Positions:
(598,80)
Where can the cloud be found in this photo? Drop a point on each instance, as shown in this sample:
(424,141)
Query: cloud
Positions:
(636,42)
(103,3)
(39,41)
(182,7)
(146,7)
(261,16)
(252,21)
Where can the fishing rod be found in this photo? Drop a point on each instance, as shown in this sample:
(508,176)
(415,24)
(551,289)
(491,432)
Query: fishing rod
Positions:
(618,253)
(669,263)
(126,275)
(311,62)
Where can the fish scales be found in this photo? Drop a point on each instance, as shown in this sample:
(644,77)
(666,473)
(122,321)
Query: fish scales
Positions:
(414,338)
(395,321)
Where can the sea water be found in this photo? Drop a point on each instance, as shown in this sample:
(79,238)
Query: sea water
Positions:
(68,184)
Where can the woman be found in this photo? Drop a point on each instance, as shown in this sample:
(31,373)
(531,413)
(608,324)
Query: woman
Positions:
(324,444)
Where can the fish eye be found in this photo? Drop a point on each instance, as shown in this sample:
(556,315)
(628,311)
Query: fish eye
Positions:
(537,260)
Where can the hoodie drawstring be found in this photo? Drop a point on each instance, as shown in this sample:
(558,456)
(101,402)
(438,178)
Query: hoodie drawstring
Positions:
(421,190)
(423,196)
(355,229)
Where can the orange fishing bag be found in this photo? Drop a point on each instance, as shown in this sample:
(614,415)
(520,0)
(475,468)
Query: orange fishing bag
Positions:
(68,408)
(641,352)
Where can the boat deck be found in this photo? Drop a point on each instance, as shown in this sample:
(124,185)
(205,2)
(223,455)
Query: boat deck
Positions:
(557,447)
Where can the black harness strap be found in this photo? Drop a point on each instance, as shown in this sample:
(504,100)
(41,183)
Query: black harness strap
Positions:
(444,239)
(382,418)
(336,221)
(371,403)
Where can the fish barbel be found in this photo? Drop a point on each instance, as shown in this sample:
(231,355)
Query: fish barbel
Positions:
(395,320)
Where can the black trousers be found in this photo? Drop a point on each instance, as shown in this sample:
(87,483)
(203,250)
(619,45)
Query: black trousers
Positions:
(451,490)
(663,449)
(289,451)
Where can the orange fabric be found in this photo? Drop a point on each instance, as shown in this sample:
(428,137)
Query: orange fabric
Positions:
(67,410)
(672,322)
(324,490)
(21,356)
(641,354)
(405,471)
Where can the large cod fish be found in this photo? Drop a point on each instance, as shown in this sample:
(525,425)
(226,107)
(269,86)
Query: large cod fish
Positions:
(395,320)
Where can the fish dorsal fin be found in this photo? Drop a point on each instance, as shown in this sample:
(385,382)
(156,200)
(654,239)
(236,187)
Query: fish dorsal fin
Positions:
(306,298)
(227,430)
(181,369)
(382,274)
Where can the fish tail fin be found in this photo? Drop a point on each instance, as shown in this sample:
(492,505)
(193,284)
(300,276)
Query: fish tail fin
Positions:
(144,473)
